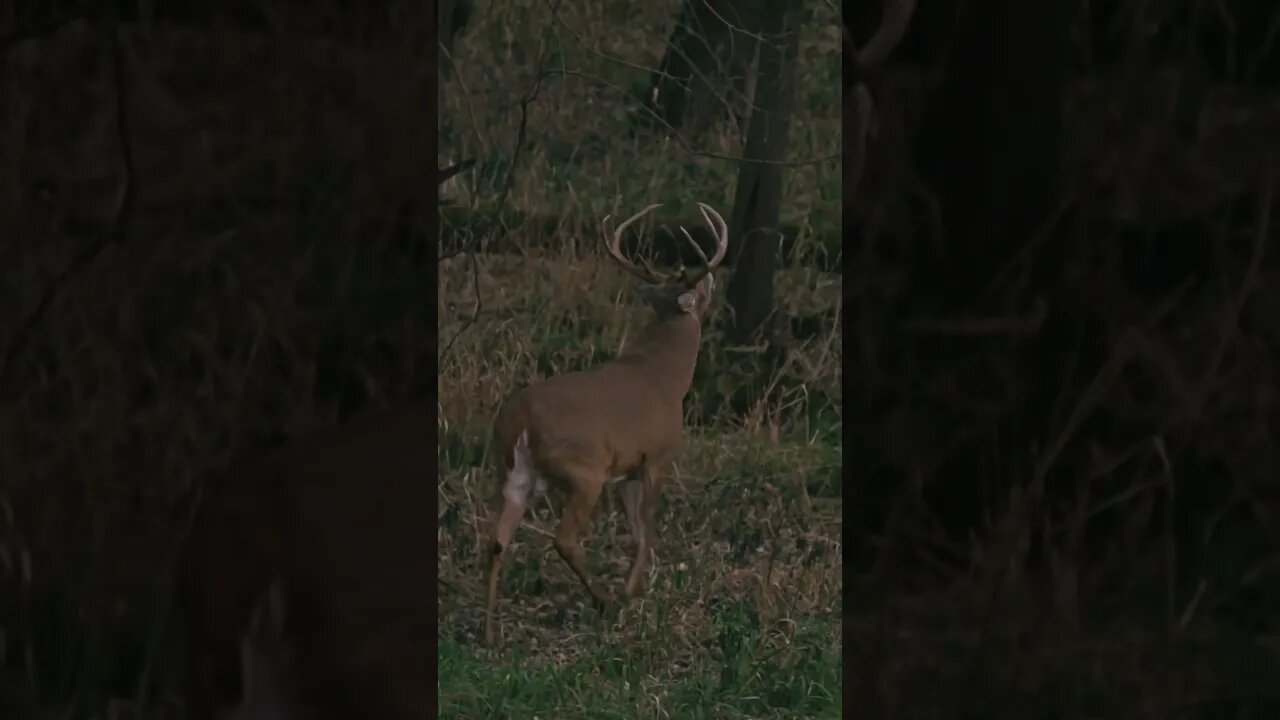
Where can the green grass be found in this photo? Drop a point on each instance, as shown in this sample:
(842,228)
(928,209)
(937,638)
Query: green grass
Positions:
(750,679)
(741,613)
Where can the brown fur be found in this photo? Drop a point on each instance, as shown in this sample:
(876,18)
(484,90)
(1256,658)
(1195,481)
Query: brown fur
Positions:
(609,415)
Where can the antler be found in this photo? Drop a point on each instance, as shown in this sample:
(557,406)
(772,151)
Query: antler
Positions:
(720,229)
(648,274)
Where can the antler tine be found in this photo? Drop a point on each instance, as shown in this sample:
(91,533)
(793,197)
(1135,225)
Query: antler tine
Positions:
(696,248)
(648,274)
(721,233)
(720,229)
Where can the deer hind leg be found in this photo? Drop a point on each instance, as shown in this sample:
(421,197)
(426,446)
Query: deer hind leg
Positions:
(518,488)
(584,491)
(640,498)
(632,491)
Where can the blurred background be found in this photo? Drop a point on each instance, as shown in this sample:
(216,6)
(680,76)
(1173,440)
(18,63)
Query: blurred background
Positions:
(1061,405)
(213,239)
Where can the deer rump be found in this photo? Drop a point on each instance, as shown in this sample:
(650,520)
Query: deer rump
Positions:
(342,521)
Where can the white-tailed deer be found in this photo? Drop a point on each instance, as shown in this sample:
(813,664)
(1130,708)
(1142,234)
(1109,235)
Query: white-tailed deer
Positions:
(342,519)
(620,421)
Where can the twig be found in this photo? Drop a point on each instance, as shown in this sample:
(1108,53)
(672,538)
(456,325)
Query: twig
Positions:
(1121,353)
(706,81)
(672,131)
(684,145)
(522,134)
(471,108)
(1232,324)
(446,173)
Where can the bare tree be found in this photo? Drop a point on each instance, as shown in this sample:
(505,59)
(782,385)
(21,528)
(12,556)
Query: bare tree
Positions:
(759,192)
(708,67)
(451,17)
(755,212)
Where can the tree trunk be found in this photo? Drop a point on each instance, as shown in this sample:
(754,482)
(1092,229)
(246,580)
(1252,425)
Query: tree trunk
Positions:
(991,143)
(706,69)
(451,17)
(755,209)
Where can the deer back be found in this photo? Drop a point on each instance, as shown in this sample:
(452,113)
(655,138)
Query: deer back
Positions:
(614,415)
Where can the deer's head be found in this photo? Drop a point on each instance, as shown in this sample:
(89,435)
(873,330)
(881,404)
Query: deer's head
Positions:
(687,291)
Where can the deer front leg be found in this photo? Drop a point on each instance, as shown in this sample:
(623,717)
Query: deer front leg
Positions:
(583,494)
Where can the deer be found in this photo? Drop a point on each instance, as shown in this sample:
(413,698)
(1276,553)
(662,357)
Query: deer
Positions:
(619,422)
(330,528)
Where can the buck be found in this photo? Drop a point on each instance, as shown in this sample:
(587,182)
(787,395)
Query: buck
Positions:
(622,421)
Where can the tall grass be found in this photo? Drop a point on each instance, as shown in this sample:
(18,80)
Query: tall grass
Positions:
(741,614)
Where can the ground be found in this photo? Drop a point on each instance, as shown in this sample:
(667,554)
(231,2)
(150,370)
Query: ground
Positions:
(741,615)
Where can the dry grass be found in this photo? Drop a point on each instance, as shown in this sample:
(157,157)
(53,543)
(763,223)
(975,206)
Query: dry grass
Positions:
(742,611)
(741,614)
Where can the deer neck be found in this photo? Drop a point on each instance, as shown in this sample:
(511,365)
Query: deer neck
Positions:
(671,346)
